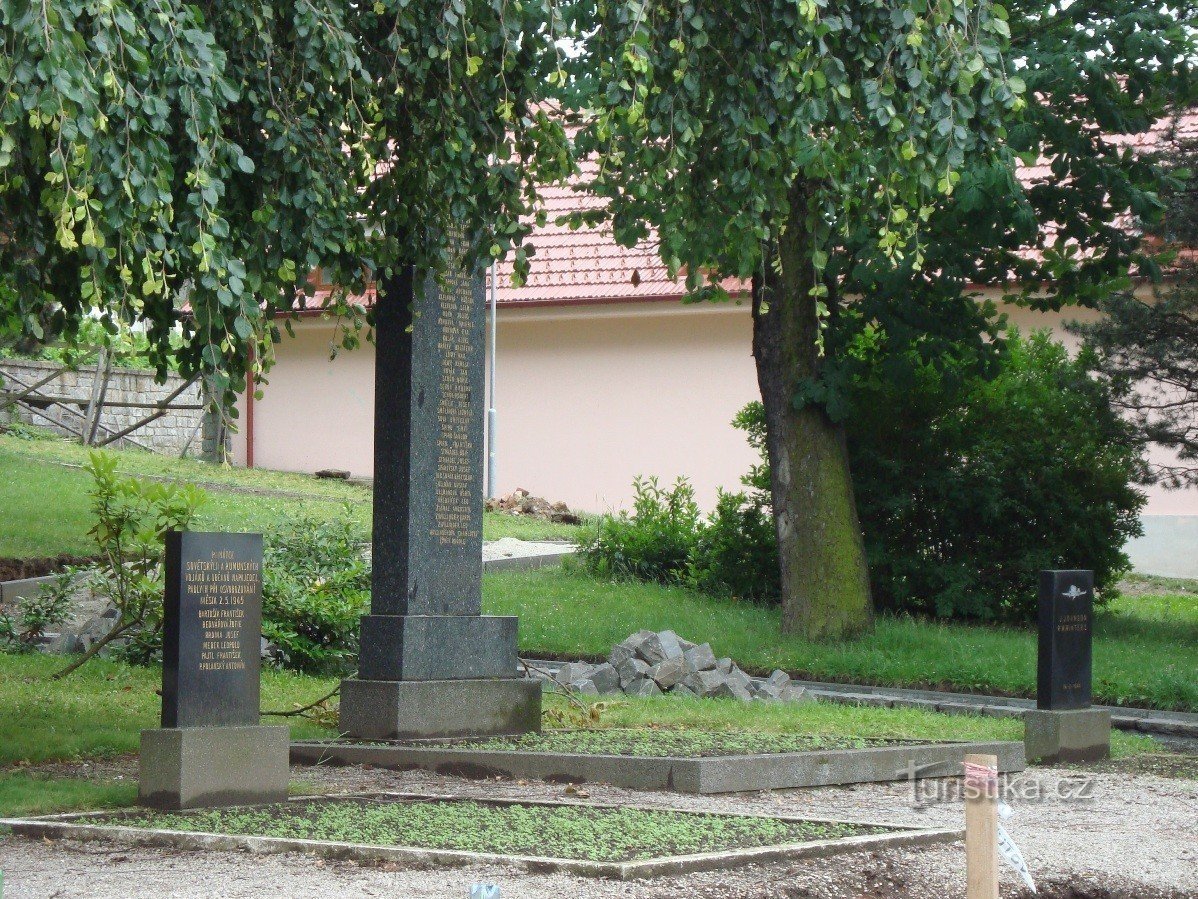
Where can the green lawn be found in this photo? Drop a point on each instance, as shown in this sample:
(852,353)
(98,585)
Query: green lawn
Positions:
(99,711)
(45,502)
(1145,647)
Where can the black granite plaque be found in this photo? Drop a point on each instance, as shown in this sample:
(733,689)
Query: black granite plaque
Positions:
(212,628)
(429,345)
(1066,625)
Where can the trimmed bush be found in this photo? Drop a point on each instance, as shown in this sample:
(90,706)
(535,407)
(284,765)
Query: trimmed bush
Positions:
(967,487)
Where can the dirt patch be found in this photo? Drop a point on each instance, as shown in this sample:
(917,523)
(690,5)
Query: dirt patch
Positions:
(19,569)
(520,502)
(1178,767)
(121,766)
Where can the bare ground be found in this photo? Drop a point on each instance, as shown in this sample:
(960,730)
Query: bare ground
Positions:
(1136,835)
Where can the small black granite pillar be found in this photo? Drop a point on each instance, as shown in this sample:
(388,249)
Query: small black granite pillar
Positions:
(1064,727)
(211,749)
(1063,678)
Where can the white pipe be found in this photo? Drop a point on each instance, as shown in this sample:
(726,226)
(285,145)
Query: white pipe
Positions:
(491,414)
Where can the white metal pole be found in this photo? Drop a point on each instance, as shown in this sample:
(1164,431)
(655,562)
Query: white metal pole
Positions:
(491,415)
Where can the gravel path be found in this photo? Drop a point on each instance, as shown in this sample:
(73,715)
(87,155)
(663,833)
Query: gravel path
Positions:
(1137,836)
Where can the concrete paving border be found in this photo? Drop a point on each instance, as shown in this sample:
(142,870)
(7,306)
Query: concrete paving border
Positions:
(713,774)
(75,827)
(528,563)
(11,591)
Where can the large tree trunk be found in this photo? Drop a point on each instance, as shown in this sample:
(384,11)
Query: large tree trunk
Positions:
(825,576)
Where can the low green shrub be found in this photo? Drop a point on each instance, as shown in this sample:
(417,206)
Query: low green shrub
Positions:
(655,543)
(315,587)
(48,608)
(665,539)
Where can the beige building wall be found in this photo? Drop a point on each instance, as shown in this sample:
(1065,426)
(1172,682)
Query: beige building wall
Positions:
(588,398)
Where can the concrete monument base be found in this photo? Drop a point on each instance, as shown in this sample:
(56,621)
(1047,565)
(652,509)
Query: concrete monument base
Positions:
(1077,735)
(417,709)
(200,767)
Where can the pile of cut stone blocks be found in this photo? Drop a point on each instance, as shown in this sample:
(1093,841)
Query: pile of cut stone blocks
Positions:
(649,664)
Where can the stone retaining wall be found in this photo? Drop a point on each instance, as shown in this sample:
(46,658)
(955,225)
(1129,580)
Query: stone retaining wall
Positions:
(167,435)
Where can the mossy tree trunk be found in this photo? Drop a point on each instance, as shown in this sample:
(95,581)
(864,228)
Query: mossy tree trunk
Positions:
(825,576)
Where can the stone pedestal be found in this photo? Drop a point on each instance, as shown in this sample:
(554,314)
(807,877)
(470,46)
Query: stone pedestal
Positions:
(423,709)
(200,767)
(1077,735)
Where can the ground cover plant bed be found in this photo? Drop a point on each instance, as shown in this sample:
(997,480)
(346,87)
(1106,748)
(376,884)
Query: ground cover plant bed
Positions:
(602,840)
(668,742)
(682,760)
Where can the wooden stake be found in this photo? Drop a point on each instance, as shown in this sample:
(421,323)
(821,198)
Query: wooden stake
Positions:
(981,826)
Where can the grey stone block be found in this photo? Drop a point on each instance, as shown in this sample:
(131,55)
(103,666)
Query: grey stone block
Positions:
(399,710)
(725,665)
(684,691)
(627,648)
(200,767)
(699,658)
(717,774)
(778,678)
(730,689)
(646,687)
(704,683)
(659,647)
(767,692)
(1076,735)
(669,672)
(631,671)
(740,679)
(606,679)
(794,693)
(64,644)
(437,647)
(573,671)
(586,687)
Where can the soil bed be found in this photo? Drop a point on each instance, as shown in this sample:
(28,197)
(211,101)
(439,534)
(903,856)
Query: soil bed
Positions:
(568,831)
(20,569)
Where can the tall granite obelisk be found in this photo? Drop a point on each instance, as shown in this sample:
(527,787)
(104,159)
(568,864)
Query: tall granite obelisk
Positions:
(431,665)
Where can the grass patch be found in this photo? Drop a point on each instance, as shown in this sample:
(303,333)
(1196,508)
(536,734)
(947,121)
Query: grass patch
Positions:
(830,722)
(100,710)
(1145,647)
(648,742)
(33,479)
(26,793)
(564,832)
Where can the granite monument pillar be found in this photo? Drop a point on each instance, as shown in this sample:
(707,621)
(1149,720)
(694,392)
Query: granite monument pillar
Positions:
(430,664)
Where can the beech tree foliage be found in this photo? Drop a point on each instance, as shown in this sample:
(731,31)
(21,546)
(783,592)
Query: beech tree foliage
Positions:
(156,154)
(755,138)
